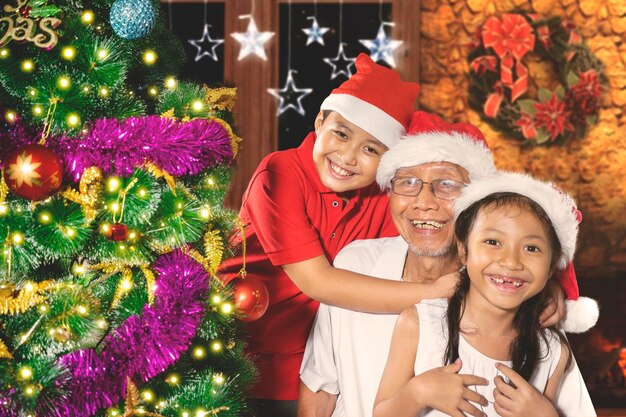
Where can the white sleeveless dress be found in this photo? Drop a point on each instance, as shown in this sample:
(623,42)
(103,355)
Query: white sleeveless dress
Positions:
(432,345)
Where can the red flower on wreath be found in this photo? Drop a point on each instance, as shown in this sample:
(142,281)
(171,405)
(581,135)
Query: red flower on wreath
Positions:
(587,87)
(553,117)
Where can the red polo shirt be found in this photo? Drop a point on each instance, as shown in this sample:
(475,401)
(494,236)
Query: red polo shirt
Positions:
(291,217)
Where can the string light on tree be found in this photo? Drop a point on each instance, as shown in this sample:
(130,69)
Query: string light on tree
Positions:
(382,47)
(206,45)
(252,41)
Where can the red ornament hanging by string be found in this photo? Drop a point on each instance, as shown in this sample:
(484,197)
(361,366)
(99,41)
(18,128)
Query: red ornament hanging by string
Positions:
(33,172)
(117,232)
(251,298)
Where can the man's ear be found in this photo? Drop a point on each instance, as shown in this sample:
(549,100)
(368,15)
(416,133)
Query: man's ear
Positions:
(460,247)
(319,120)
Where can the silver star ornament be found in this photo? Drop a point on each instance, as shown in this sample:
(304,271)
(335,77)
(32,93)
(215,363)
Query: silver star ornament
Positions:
(315,33)
(252,40)
(382,47)
(206,45)
(290,96)
(342,62)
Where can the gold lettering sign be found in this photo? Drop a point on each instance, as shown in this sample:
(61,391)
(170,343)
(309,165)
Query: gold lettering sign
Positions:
(16,27)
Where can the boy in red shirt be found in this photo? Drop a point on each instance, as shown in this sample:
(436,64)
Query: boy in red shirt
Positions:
(303,206)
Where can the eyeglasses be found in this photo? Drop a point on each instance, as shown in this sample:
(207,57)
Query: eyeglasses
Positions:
(411,187)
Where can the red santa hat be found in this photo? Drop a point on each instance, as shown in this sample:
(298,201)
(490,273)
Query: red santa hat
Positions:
(582,312)
(431,139)
(376,100)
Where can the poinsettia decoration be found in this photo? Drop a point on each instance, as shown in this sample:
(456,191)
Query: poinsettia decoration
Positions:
(499,78)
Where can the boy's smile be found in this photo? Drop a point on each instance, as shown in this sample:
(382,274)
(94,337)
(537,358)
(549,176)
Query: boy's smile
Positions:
(346,157)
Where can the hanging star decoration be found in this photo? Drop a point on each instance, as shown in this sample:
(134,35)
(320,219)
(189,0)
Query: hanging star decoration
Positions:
(290,96)
(342,62)
(206,45)
(315,33)
(252,40)
(382,47)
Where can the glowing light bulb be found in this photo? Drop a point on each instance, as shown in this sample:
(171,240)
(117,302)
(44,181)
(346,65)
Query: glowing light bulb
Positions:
(127,284)
(43,308)
(69,53)
(32,92)
(216,346)
(82,310)
(113,184)
(4,53)
(102,324)
(205,213)
(115,207)
(153,91)
(64,82)
(26,372)
(227,308)
(149,57)
(217,299)
(10,116)
(219,378)
(44,217)
(87,16)
(73,120)
(148,395)
(105,228)
(70,232)
(142,192)
(18,238)
(86,89)
(28,65)
(132,235)
(3,209)
(104,91)
(28,287)
(102,54)
(79,269)
(197,105)
(170,82)
(199,352)
(30,390)
(38,110)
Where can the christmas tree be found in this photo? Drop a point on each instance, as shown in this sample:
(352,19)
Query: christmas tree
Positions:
(111,219)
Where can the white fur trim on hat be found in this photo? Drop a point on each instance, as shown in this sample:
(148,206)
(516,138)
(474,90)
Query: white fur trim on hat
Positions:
(580,315)
(558,205)
(366,116)
(454,147)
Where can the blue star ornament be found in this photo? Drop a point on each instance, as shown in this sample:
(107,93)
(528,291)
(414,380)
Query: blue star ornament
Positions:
(341,64)
(382,47)
(252,40)
(315,33)
(290,96)
(206,45)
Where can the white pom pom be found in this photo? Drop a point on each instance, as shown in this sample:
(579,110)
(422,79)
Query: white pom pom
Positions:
(580,315)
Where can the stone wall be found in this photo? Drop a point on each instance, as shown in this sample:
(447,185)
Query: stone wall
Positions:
(592,169)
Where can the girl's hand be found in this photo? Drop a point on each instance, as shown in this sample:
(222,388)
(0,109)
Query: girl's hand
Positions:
(555,310)
(445,390)
(521,400)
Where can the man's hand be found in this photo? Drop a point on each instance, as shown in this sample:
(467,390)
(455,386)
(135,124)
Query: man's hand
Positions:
(555,310)
(445,390)
(520,400)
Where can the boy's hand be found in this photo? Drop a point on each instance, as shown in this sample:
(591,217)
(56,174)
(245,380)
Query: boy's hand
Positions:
(445,390)
(555,310)
(445,285)
(519,401)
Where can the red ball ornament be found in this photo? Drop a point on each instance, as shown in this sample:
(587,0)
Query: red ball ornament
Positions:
(251,298)
(117,232)
(33,172)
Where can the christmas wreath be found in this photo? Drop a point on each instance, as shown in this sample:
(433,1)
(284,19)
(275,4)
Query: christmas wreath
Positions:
(499,80)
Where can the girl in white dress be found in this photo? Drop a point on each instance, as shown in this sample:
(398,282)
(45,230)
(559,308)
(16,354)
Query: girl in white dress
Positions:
(483,352)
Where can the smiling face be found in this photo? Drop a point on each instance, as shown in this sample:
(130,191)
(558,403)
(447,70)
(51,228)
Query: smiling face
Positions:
(425,221)
(509,255)
(346,157)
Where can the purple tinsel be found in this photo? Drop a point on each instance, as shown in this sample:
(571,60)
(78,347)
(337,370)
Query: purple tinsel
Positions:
(120,146)
(143,346)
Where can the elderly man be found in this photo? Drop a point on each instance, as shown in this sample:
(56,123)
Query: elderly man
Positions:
(347,350)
